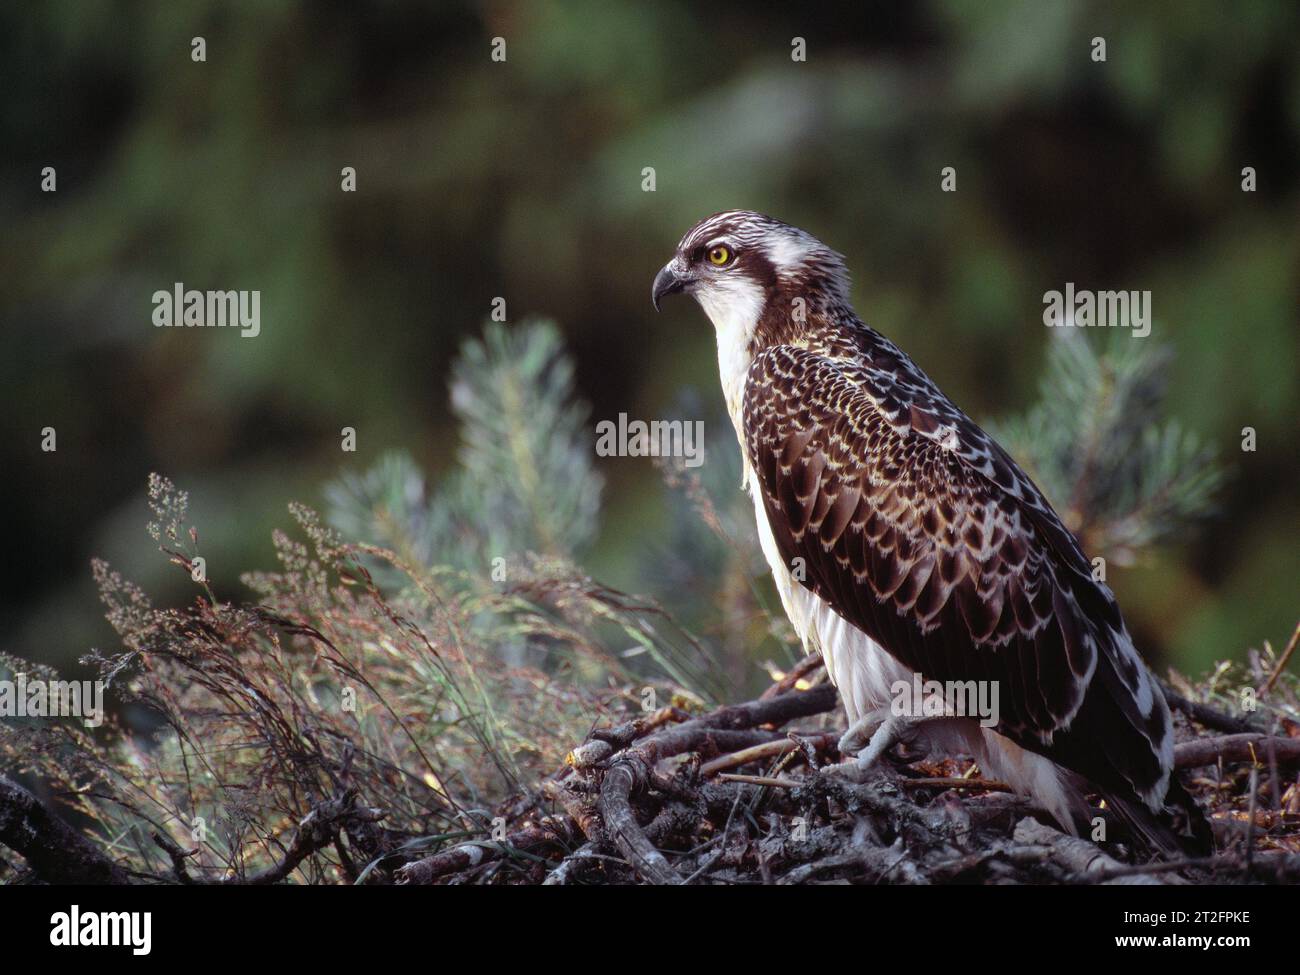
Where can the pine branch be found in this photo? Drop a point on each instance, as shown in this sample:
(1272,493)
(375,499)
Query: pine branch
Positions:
(525,482)
(523,443)
(1123,477)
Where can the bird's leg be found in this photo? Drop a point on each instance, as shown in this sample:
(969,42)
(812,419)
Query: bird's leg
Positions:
(895,729)
(862,731)
(882,730)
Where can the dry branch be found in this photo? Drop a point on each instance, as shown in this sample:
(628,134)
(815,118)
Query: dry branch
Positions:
(56,852)
(1080,859)
(771,749)
(1251,747)
(319,829)
(551,831)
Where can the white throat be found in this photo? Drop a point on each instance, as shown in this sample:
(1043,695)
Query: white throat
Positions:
(734,308)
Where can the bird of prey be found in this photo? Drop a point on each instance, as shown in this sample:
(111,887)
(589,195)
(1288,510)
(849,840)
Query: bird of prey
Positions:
(905,541)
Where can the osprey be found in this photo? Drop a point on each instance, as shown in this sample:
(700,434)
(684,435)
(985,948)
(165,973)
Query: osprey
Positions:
(905,542)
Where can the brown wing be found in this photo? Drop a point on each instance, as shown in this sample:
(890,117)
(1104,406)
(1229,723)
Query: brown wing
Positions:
(885,496)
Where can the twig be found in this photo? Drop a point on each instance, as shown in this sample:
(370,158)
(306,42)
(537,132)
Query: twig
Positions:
(757,753)
(1274,777)
(1147,869)
(317,830)
(465,856)
(792,677)
(1250,815)
(955,782)
(1204,714)
(1282,661)
(765,780)
(1266,865)
(623,735)
(177,857)
(716,855)
(1083,860)
(560,875)
(1233,748)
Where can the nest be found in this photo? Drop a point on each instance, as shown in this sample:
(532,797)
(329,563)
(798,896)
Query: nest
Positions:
(758,793)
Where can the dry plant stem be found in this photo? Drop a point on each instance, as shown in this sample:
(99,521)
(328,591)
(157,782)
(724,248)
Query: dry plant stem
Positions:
(1282,660)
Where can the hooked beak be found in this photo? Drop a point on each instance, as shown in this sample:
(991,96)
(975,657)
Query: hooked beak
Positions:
(667,282)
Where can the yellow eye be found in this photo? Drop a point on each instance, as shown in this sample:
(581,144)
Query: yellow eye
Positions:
(719,255)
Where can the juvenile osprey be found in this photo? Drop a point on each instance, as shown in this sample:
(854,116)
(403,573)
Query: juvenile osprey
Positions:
(905,541)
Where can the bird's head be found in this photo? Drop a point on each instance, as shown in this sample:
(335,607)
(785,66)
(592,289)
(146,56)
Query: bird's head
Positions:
(742,266)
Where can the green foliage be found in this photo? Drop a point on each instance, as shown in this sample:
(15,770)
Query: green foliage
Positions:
(478,178)
(525,482)
(1122,476)
(526,458)
(502,528)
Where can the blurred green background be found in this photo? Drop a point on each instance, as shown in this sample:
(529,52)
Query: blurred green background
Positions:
(523,180)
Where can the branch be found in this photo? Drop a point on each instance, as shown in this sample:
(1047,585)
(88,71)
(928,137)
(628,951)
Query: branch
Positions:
(1205,715)
(623,829)
(1282,660)
(318,829)
(551,831)
(57,853)
(1235,748)
(1082,860)
(770,749)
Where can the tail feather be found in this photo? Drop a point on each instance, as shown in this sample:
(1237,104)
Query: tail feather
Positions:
(1179,829)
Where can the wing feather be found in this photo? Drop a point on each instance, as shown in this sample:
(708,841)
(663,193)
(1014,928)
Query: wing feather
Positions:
(919,530)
